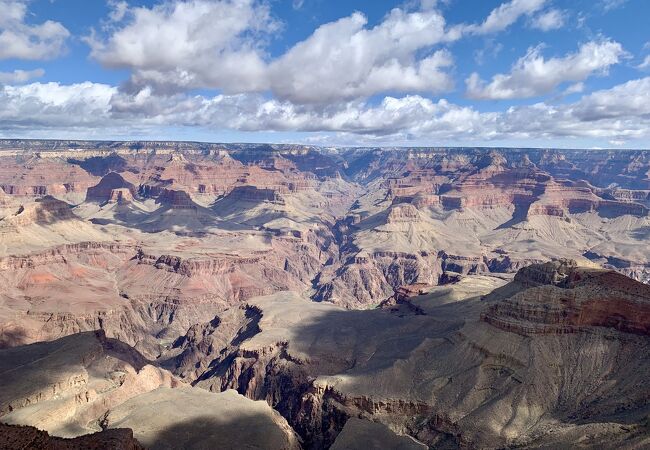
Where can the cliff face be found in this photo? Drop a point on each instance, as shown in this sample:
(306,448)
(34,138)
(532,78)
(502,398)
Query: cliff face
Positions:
(219,224)
(112,188)
(89,391)
(558,297)
(65,385)
(436,368)
(139,296)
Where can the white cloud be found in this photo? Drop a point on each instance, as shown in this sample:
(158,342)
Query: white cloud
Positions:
(219,44)
(533,75)
(184,45)
(630,100)
(20,76)
(53,105)
(645,64)
(173,47)
(608,5)
(505,15)
(575,88)
(552,19)
(346,60)
(21,40)
(621,113)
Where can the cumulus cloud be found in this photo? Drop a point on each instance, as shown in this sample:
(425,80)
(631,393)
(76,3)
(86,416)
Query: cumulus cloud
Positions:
(619,113)
(533,75)
(21,40)
(192,44)
(629,100)
(552,19)
(54,105)
(20,76)
(345,59)
(219,44)
(174,46)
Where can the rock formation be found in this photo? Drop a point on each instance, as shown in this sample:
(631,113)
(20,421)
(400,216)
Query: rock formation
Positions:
(112,188)
(559,297)
(402,294)
(86,383)
(18,437)
(435,368)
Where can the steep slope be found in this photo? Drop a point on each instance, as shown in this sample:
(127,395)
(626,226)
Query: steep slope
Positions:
(41,223)
(431,211)
(450,373)
(65,386)
(88,383)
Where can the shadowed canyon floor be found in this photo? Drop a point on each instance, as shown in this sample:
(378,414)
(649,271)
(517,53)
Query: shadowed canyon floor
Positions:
(207,295)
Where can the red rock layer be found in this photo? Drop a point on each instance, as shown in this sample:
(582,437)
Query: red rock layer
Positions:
(111,188)
(571,299)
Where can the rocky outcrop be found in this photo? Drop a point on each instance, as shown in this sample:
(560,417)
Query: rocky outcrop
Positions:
(19,437)
(86,382)
(64,385)
(373,278)
(43,211)
(559,297)
(402,213)
(444,377)
(112,188)
(255,194)
(175,199)
(195,418)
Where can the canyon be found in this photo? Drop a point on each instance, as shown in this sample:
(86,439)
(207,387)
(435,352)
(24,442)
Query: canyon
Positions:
(286,296)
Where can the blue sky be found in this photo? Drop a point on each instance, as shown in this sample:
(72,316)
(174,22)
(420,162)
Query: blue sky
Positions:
(330,72)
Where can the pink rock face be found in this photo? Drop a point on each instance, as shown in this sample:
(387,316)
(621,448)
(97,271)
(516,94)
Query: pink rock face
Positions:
(176,199)
(354,225)
(42,176)
(558,298)
(111,188)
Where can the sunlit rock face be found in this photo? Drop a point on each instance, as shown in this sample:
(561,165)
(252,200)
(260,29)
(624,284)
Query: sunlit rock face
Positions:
(562,298)
(555,356)
(414,290)
(89,391)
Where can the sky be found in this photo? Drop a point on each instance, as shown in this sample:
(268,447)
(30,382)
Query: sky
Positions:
(514,73)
